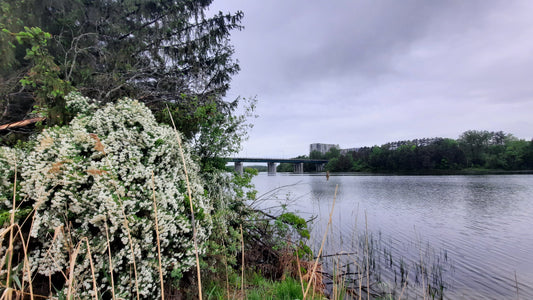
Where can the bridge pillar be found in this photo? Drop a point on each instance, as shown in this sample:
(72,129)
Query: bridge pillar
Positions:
(271,168)
(239,168)
(320,167)
(298,168)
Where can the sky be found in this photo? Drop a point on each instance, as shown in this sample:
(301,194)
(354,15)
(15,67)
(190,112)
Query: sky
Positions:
(363,73)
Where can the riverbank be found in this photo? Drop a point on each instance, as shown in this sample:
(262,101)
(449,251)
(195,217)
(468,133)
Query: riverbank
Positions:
(471,171)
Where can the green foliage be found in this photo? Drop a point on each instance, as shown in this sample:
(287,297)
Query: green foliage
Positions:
(287,289)
(243,186)
(258,287)
(473,149)
(44,76)
(219,134)
(296,222)
(258,168)
(342,163)
(475,144)
(213,133)
(229,193)
(285,167)
(316,155)
(332,153)
(289,167)
(20,214)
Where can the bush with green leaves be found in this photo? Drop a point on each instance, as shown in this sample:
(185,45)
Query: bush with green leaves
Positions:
(99,177)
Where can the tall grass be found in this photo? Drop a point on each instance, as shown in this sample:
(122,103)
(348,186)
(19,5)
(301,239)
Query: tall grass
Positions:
(370,268)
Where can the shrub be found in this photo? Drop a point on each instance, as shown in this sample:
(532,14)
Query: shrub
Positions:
(99,175)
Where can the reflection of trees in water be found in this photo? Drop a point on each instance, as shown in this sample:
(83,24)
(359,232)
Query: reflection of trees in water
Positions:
(489,198)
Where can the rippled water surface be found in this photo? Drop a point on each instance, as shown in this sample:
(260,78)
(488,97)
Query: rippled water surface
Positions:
(481,225)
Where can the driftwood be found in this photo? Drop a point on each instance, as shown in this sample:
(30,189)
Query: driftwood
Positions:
(21,123)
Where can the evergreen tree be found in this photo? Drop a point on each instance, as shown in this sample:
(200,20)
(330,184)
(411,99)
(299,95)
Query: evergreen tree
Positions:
(163,52)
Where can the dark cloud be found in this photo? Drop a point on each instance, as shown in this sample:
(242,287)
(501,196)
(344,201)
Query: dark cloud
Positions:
(361,73)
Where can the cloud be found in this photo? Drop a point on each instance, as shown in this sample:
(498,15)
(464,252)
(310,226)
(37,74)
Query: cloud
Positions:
(360,73)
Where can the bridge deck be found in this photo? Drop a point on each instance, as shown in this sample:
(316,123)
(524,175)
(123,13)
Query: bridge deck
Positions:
(277,160)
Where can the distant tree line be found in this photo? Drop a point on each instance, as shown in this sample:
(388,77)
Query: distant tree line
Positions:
(473,149)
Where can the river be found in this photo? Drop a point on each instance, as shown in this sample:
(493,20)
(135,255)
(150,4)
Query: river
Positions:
(472,235)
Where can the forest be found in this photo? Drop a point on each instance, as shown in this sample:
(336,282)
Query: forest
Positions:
(474,149)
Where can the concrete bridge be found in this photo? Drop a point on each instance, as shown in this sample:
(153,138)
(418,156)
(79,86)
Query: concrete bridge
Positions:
(271,162)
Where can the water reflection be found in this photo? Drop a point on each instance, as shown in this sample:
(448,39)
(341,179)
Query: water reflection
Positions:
(482,222)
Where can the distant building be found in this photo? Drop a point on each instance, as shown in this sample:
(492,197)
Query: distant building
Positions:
(345,151)
(322,148)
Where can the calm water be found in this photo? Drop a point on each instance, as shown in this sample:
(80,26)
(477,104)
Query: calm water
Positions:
(480,228)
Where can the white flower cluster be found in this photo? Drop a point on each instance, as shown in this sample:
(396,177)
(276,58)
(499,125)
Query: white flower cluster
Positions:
(99,175)
(8,159)
(78,104)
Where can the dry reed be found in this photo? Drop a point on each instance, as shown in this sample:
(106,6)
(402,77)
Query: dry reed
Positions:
(322,245)
(9,251)
(226,265)
(242,266)
(300,272)
(158,242)
(193,222)
(110,261)
(92,268)
(70,281)
(367,258)
(132,252)
(26,261)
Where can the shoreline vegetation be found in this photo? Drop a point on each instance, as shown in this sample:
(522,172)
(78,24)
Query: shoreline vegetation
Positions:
(87,213)
(474,152)
(470,171)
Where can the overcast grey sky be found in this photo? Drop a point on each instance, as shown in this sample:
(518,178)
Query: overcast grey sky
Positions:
(362,73)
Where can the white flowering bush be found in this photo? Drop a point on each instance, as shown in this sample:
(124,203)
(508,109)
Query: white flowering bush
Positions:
(99,176)
(77,104)
(9,157)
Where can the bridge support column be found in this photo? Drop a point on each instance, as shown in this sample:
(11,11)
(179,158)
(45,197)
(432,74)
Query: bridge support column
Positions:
(239,168)
(298,168)
(320,167)
(271,168)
